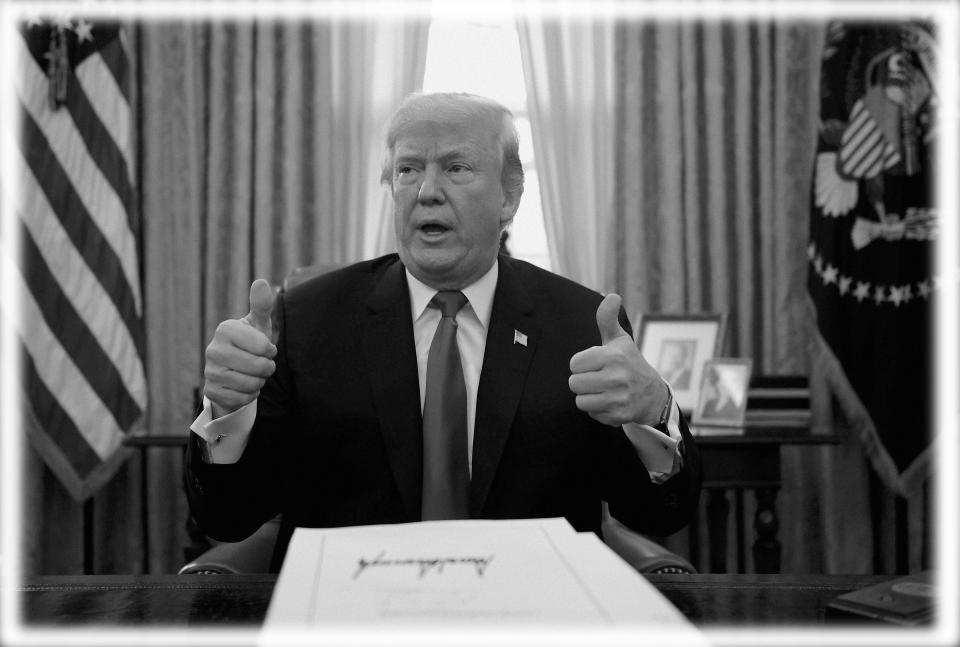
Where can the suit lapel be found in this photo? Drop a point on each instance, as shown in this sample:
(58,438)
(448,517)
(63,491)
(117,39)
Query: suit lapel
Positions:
(391,364)
(506,361)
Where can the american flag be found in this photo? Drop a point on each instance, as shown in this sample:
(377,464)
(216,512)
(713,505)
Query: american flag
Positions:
(77,267)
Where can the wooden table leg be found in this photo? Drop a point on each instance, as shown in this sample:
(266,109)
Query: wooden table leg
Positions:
(717,513)
(766,548)
(738,519)
(693,535)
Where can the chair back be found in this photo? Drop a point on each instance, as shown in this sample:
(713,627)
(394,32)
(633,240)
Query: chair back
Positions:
(643,554)
(305,272)
(252,555)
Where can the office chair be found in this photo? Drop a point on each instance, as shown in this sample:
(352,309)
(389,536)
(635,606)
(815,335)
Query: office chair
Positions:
(252,555)
(643,554)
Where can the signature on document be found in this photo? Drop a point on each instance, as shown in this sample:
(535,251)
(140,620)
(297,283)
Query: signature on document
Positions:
(425,565)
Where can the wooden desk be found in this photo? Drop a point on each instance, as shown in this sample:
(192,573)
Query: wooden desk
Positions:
(740,459)
(230,600)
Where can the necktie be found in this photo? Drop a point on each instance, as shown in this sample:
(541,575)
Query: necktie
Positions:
(446,477)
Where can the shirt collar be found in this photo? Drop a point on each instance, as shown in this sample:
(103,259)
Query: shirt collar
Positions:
(479,294)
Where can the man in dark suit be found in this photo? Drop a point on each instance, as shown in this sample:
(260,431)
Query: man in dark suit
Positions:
(329,425)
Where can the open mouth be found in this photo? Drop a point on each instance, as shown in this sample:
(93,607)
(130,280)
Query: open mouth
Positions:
(434,229)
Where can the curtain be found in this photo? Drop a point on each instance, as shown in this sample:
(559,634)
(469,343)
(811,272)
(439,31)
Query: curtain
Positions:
(718,121)
(568,73)
(716,130)
(259,146)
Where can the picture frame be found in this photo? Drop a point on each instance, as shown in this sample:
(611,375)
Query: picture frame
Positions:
(678,346)
(724,387)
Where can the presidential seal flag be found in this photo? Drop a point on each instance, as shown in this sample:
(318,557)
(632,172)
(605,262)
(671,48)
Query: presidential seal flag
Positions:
(77,259)
(872,232)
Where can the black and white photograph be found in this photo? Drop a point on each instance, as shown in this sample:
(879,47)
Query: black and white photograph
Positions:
(676,361)
(723,393)
(428,322)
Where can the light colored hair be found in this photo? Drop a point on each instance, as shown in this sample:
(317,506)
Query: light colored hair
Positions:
(458,106)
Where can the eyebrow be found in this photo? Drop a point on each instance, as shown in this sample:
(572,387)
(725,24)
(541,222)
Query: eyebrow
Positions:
(466,150)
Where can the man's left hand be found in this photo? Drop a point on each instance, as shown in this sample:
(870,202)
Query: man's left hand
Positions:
(612,382)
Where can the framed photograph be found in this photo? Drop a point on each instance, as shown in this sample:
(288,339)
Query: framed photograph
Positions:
(723,392)
(678,347)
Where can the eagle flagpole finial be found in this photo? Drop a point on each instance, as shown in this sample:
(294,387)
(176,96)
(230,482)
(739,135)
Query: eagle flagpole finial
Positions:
(58,64)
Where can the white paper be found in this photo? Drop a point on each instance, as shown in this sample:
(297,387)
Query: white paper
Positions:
(483,574)
(433,572)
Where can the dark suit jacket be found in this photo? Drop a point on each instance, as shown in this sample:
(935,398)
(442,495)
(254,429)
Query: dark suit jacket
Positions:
(337,440)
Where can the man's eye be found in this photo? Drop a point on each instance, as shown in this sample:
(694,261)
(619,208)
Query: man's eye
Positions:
(458,168)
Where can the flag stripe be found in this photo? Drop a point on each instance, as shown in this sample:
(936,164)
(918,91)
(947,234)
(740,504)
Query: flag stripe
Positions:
(59,373)
(113,113)
(118,63)
(72,275)
(858,119)
(858,126)
(79,227)
(868,162)
(859,134)
(101,203)
(862,144)
(872,165)
(55,422)
(867,154)
(99,141)
(71,333)
(891,156)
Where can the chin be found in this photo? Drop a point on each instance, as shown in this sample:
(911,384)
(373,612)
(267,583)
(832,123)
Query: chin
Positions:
(432,267)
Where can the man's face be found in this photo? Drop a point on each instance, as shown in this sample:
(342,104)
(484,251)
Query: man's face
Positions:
(449,205)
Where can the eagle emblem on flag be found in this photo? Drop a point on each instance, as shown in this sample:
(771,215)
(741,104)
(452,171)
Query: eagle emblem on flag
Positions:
(873,225)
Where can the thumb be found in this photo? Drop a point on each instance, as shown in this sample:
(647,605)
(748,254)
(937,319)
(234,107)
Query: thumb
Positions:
(607,319)
(261,303)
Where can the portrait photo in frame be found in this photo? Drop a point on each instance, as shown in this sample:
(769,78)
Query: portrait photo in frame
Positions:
(723,392)
(678,347)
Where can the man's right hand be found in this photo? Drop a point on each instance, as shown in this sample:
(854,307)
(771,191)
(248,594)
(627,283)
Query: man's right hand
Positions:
(239,359)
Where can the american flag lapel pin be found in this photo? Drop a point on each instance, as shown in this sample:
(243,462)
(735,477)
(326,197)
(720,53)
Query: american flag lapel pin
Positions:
(519,338)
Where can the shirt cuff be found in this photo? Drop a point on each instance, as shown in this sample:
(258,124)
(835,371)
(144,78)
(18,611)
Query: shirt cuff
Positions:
(227,436)
(659,452)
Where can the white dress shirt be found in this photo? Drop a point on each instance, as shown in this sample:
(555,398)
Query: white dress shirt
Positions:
(227,436)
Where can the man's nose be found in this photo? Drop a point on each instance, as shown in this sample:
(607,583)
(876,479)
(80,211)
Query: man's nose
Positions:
(430,190)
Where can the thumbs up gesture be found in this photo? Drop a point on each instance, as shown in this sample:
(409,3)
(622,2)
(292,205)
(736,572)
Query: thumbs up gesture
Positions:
(612,382)
(239,359)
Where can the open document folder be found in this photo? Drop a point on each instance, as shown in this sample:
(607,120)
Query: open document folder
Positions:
(528,573)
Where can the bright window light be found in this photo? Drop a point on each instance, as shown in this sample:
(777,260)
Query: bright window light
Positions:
(483,58)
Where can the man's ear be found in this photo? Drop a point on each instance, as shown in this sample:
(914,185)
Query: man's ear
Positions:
(511,202)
